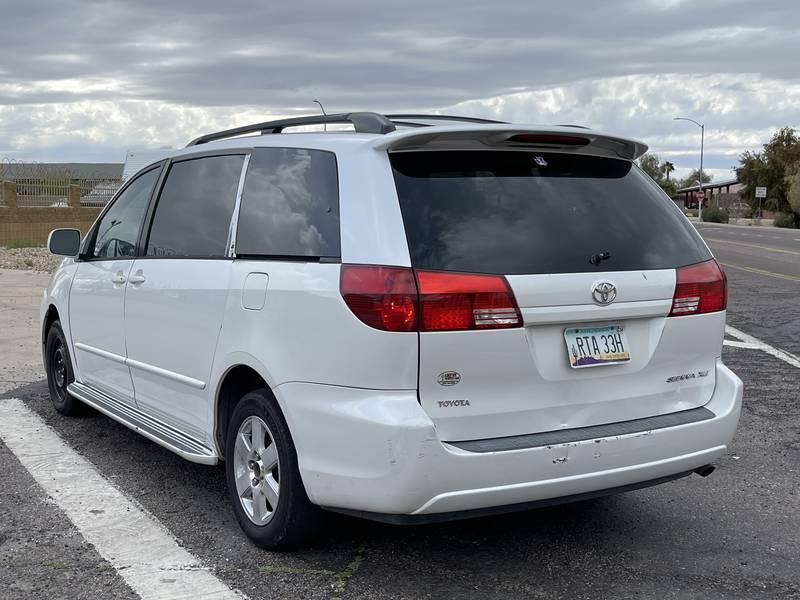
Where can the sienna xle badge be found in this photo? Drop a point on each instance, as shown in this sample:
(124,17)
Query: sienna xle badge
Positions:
(418,319)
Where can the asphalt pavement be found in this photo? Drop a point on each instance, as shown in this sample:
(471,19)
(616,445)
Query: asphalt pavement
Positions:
(763,269)
(735,534)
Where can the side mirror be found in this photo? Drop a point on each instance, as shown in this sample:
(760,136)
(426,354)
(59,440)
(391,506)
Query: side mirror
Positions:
(64,242)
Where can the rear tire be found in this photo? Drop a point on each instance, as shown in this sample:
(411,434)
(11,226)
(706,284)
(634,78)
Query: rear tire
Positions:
(263,479)
(59,372)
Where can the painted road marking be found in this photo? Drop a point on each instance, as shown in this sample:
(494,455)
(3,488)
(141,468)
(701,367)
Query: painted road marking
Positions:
(761,272)
(769,248)
(735,344)
(757,344)
(136,544)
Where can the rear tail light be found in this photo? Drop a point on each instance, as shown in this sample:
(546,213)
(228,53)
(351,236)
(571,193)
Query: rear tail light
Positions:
(700,288)
(382,297)
(390,299)
(461,301)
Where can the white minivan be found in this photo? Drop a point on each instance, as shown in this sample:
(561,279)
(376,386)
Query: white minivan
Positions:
(417,319)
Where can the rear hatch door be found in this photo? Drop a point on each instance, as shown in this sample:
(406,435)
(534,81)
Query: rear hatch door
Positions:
(589,245)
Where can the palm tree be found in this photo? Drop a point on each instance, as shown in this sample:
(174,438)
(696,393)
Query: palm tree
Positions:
(668,168)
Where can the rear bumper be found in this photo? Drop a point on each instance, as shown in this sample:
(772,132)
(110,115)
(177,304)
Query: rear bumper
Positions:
(369,451)
(443,517)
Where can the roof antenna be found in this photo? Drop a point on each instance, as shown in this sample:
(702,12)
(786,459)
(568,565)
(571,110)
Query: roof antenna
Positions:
(322,108)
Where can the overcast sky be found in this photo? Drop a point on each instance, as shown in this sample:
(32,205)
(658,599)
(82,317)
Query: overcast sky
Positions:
(87,80)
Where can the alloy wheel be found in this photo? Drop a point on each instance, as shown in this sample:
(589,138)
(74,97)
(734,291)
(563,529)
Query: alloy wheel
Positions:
(257,470)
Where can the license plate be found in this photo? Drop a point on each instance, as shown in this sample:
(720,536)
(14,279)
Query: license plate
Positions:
(596,346)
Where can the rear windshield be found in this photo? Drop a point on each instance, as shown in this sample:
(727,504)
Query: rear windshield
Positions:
(521,212)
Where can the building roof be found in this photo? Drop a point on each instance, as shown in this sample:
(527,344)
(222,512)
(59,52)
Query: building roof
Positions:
(710,185)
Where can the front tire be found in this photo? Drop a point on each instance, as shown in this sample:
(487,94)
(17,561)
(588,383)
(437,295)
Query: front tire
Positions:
(59,372)
(263,479)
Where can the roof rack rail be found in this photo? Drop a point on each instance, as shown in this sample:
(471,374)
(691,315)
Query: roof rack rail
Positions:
(410,119)
(363,122)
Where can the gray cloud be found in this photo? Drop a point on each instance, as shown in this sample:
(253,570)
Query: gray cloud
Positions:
(121,73)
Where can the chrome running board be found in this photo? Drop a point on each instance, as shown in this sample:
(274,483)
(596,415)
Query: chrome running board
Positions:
(153,429)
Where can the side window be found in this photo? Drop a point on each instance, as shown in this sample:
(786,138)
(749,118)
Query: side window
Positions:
(118,230)
(290,204)
(193,213)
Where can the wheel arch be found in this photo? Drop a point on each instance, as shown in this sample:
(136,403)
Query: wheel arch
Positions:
(242,374)
(51,316)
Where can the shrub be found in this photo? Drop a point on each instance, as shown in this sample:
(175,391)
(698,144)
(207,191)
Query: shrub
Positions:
(16,244)
(715,215)
(786,220)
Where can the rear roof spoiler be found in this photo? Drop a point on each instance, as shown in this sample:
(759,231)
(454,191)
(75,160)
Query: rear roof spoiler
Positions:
(499,136)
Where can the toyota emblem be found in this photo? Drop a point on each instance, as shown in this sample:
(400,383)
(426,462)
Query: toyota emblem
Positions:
(604,292)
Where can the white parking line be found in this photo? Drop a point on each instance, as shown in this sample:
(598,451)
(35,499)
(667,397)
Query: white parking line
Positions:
(142,551)
(735,344)
(756,344)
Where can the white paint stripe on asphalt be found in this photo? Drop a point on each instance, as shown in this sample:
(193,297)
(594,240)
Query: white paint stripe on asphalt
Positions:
(786,357)
(746,345)
(137,545)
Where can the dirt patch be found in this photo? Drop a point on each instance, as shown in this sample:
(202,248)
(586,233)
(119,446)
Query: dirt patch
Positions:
(31,259)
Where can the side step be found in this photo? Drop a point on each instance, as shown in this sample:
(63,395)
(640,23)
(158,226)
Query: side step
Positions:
(162,434)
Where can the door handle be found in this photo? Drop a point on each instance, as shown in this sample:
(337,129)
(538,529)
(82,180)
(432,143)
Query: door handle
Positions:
(138,278)
(119,278)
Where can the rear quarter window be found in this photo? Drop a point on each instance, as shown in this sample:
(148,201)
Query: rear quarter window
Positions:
(522,212)
(290,205)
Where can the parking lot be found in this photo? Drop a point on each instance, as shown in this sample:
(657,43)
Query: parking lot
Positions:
(735,534)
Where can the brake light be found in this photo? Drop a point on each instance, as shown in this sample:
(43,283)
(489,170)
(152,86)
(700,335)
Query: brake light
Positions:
(462,301)
(700,288)
(549,138)
(382,297)
(391,299)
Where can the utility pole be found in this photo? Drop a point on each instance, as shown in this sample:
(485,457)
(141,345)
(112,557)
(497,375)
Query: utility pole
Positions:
(700,175)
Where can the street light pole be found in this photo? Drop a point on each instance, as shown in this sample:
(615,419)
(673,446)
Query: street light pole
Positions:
(700,175)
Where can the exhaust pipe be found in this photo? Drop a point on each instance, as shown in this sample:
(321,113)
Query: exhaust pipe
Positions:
(705,470)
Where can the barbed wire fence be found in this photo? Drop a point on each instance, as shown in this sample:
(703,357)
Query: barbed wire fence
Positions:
(40,185)
(26,187)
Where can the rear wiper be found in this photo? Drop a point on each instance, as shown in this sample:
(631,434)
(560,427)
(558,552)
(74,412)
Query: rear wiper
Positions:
(596,259)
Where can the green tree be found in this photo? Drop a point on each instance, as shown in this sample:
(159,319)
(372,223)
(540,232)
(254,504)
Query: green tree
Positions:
(669,186)
(694,177)
(793,190)
(652,165)
(771,167)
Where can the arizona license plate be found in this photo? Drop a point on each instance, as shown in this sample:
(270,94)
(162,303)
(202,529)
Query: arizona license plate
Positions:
(596,346)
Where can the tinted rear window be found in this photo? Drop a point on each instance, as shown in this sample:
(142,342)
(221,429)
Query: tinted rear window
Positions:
(193,214)
(524,213)
(290,205)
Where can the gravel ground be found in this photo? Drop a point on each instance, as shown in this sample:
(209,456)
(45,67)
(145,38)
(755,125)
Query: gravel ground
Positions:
(33,259)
